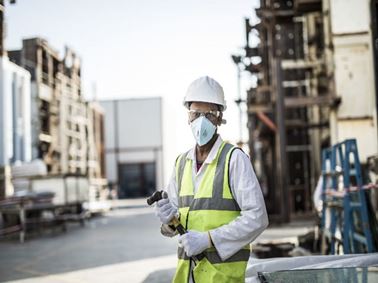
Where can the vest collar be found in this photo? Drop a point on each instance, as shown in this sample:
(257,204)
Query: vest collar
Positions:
(212,154)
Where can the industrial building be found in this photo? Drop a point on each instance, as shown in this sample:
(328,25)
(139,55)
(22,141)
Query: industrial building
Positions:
(15,114)
(134,146)
(52,141)
(67,131)
(47,129)
(15,132)
(314,69)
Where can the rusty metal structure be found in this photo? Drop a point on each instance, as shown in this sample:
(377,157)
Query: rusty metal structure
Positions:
(289,107)
(315,80)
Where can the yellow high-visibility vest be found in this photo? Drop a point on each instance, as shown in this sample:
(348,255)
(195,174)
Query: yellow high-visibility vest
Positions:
(210,207)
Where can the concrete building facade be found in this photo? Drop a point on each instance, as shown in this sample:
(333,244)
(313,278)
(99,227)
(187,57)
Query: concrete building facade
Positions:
(62,121)
(134,146)
(67,131)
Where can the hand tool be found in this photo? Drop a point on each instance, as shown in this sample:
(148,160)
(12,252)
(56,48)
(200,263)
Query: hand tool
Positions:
(158,195)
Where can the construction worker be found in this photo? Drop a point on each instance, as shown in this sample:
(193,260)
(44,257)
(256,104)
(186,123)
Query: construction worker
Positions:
(214,193)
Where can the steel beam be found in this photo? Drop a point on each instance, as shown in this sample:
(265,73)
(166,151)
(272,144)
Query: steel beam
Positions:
(283,195)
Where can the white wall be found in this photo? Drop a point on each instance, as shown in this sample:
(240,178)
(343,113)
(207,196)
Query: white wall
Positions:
(354,75)
(15,116)
(139,124)
(350,16)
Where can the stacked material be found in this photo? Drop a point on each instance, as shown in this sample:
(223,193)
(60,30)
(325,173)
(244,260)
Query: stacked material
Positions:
(21,172)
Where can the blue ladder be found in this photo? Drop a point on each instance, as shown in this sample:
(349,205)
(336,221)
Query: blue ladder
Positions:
(343,206)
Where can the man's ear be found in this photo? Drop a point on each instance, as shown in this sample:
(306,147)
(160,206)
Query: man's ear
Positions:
(219,122)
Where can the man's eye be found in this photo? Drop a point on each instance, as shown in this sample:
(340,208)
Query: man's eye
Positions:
(210,116)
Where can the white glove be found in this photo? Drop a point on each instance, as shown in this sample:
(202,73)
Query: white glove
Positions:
(165,210)
(194,242)
(167,231)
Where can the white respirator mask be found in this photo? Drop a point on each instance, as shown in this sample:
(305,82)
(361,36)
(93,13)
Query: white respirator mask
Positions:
(203,130)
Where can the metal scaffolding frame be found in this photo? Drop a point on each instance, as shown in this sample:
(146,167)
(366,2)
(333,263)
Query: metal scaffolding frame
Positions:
(288,109)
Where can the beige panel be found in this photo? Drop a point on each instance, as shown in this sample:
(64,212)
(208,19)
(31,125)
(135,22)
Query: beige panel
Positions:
(349,16)
(365,131)
(354,76)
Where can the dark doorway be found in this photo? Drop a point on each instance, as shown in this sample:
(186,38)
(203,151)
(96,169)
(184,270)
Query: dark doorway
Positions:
(136,179)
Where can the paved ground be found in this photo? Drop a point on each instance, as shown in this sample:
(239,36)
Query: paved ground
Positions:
(124,245)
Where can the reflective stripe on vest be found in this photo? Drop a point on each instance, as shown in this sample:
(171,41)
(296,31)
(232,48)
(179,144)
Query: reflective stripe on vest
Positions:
(211,207)
(213,257)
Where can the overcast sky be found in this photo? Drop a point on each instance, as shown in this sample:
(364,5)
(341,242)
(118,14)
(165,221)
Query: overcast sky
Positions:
(144,48)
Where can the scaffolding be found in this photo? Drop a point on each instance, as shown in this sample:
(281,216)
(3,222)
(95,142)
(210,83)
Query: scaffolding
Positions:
(67,131)
(289,107)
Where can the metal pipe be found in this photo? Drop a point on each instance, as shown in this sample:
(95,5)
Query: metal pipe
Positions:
(267,121)
(284,197)
(239,106)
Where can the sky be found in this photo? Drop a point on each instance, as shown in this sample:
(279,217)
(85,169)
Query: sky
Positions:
(145,48)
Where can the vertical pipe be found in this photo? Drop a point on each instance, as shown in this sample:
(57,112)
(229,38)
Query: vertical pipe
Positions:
(161,155)
(374,23)
(2,8)
(116,143)
(329,67)
(15,122)
(240,110)
(284,197)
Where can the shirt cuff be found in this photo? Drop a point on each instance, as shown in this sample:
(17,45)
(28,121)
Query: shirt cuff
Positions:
(217,245)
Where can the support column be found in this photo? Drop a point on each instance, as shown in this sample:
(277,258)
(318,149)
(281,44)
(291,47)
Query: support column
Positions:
(282,186)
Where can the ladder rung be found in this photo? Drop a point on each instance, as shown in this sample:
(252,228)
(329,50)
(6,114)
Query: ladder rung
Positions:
(332,173)
(352,172)
(334,204)
(360,238)
(355,204)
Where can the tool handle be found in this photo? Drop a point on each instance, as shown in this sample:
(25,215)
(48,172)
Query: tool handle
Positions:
(175,222)
(180,229)
(158,195)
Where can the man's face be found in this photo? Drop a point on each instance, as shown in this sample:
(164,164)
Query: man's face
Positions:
(209,110)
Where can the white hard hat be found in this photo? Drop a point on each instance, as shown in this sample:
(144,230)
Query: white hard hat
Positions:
(205,89)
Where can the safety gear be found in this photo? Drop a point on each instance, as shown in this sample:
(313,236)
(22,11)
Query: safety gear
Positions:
(194,242)
(211,115)
(203,130)
(205,89)
(210,207)
(167,231)
(165,210)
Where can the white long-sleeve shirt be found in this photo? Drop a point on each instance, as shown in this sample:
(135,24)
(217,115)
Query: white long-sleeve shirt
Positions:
(230,238)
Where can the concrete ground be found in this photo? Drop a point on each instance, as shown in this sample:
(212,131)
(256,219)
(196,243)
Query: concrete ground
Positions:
(123,245)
